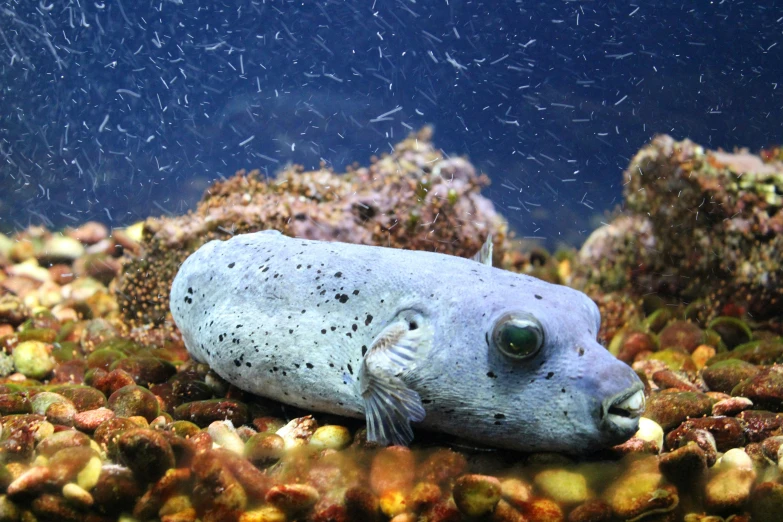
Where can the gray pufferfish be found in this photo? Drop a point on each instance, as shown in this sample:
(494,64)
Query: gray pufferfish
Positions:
(401,337)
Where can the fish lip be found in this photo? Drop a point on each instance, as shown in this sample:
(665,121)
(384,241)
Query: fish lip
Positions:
(619,415)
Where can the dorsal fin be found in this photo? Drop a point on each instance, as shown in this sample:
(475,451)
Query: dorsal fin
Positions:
(484,255)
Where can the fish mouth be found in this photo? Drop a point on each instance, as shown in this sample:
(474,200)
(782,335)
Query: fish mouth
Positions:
(624,409)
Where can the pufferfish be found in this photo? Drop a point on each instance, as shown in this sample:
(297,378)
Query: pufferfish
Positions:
(407,339)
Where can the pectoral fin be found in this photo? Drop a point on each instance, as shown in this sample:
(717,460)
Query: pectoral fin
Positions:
(389,404)
(484,255)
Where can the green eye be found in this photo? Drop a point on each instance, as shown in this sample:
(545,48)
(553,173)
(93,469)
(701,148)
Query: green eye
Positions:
(518,336)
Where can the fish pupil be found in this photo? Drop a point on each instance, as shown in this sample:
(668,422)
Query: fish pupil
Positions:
(519,341)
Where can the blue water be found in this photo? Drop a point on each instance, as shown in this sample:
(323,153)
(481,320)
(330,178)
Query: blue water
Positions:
(114,110)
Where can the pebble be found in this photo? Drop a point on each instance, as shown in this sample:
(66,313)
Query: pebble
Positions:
(31,480)
(264,448)
(298,432)
(563,486)
(765,388)
(145,452)
(331,437)
(476,495)
(731,406)
(77,495)
(224,435)
(641,491)
(729,490)
(724,376)
(134,400)
(650,431)
(670,409)
(89,420)
(392,469)
(33,359)
(204,413)
(215,487)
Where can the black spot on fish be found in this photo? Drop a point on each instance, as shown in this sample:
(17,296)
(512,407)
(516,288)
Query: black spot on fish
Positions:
(239,326)
(581,351)
(338,274)
(355,292)
(190,290)
(333,328)
(220,337)
(343,298)
(354,327)
(364,350)
(237,363)
(537,296)
(550,375)
(500,416)
(350,369)
(492,375)
(231,265)
(309,365)
(298,266)
(248,365)
(323,330)
(265,269)
(367,320)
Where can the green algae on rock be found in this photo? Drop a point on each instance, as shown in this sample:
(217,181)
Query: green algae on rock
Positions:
(699,224)
(368,205)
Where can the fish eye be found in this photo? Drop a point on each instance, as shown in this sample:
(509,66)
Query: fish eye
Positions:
(518,336)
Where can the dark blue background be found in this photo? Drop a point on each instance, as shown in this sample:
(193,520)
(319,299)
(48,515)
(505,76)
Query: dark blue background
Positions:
(551,99)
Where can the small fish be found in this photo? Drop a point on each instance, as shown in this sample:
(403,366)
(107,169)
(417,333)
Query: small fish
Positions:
(403,337)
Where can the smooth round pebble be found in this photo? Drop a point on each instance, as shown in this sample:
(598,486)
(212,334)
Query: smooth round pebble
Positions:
(33,359)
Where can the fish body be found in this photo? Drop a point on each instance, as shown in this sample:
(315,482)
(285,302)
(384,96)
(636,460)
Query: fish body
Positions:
(406,338)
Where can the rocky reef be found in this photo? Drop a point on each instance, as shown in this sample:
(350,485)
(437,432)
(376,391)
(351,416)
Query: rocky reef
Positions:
(699,227)
(415,197)
(104,416)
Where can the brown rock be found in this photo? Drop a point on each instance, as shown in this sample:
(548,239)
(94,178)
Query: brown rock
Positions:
(89,420)
(293,498)
(134,400)
(476,495)
(146,452)
(146,370)
(727,431)
(667,379)
(392,468)
(216,488)
(759,424)
(32,480)
(595,510)
(442,467)
(67,463)
(724,376)
(204,413)
(684,464)
(681,334)
(766,502)
(731,406)
(765,388)
(117,489)
(61,440)
(729,490)
(670,409)
(83,397)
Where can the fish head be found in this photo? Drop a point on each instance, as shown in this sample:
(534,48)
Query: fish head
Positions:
(539,380)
